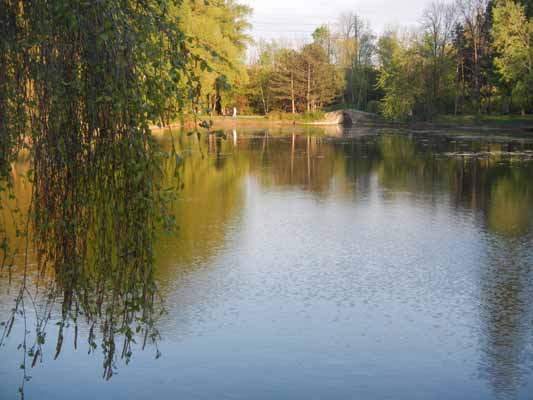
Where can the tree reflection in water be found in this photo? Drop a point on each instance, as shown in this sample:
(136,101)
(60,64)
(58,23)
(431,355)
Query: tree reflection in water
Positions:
(94,218)
(90,228)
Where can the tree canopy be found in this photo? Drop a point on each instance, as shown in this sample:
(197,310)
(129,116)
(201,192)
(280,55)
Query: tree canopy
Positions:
(465,57)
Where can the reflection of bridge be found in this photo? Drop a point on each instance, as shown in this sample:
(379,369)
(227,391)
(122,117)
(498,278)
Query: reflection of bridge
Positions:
(345,117)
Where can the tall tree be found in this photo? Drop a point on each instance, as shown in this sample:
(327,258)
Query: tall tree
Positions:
(218,25)
(324,38)
(356,49)
(401,69)
(459,45)
(322,83)
(513,41)
(438,23)
(474,19)
(258,89)
(288,81)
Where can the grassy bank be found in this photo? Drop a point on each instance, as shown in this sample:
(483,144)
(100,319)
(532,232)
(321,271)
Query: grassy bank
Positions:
(507,122)
(492,121)
(274,118)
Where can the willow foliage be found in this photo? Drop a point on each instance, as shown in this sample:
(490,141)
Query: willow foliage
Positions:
(81,82)
(81,69)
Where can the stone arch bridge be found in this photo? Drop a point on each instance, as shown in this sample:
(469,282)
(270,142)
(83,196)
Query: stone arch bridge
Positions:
(346,117)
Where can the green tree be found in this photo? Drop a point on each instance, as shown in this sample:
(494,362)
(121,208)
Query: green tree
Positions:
(218,29)
(513,41)
(324,38)
(288,81)
(438,24)
(322,81)
(259,91)
(401,68)
(355,51)
(475,20)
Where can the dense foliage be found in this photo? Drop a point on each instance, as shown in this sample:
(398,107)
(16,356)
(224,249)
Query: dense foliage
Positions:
(81,84)
(293,81)
(217,28)
(466,57)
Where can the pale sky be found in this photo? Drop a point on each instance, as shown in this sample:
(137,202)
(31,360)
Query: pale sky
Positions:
(297,19)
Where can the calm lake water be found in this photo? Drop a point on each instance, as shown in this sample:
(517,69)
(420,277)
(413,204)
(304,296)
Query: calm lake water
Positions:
(366,264)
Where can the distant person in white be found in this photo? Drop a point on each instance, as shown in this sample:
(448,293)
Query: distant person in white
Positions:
(234,112)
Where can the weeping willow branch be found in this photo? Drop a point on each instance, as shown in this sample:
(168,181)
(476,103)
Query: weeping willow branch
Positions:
(80,84)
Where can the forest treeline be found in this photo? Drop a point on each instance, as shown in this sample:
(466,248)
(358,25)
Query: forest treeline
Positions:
(465,57)
(75,63)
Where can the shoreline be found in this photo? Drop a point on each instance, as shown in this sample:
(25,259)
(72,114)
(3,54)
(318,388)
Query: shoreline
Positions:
(229,122)
(506,124)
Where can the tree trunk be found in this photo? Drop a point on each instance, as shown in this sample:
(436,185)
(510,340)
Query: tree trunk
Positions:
(309,87)
(293,100)
(477,77)
(457,80)
(265,107)
(463,85)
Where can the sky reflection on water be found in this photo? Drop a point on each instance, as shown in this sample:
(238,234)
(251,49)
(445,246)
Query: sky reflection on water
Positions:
(368,266)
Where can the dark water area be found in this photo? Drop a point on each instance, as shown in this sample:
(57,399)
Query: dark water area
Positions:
(311,264)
